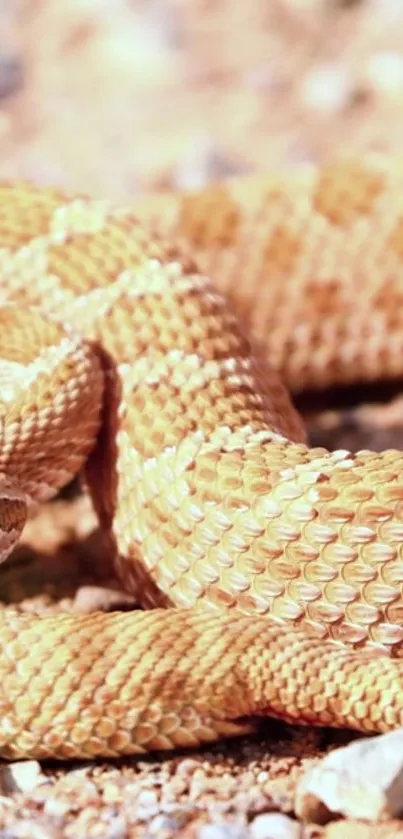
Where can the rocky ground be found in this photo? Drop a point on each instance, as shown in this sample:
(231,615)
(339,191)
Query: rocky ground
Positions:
(114,97)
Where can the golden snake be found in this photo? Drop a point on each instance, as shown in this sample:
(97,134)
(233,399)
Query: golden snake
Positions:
(284,563)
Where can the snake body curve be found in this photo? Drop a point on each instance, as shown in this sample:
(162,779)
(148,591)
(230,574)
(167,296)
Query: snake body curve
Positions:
(119,357)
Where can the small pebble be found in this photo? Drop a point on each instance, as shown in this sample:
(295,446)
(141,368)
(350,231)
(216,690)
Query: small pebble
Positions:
(385,73)
(21,777)
(94,598)
(161,824)
(147,805)
(327,89)
(274,826)
(223,830)
(56,808)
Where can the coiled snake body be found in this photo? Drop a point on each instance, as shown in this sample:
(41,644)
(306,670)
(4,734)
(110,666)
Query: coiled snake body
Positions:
(120,357)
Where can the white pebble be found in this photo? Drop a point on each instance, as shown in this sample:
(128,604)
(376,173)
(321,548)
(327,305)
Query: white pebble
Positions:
(385,72)
(327,89)
(274,826)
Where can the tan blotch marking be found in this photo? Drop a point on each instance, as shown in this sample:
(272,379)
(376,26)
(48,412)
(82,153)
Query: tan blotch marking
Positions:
(346,190)
(209,219)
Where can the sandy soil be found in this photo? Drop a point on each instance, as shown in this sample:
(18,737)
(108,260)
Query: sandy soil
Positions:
(114,98)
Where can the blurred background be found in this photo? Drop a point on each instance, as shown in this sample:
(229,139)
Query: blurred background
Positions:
(114,97)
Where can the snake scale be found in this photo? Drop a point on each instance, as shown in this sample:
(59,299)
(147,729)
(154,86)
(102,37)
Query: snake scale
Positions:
(135,347)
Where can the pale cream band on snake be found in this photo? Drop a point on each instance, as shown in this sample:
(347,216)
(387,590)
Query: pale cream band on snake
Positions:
(271,573)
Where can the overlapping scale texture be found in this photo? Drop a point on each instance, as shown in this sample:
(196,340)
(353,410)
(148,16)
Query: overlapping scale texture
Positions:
(197,462)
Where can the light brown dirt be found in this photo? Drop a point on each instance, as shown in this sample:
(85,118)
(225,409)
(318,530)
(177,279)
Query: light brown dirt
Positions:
(113,98)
